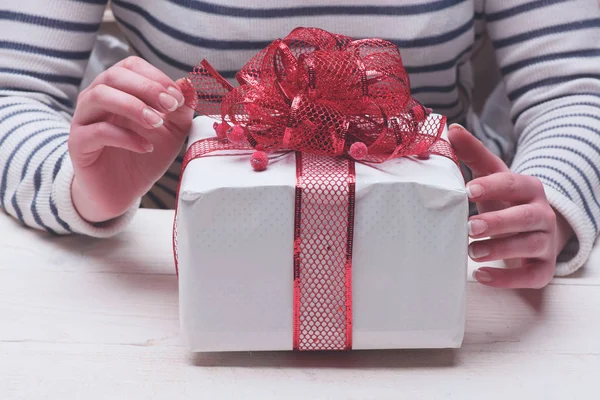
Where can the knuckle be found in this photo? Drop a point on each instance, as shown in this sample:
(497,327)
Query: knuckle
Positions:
(99,128)
(132,62)
(536,184)
(510,182)
(148,87)
(529,216)
(97,93)
(92,95)
(496,222)
(547,217)
(110,76)
(537,243)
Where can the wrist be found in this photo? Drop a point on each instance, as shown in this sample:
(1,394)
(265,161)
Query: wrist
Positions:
(86,207)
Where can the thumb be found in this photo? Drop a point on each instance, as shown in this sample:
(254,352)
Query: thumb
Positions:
(473,153)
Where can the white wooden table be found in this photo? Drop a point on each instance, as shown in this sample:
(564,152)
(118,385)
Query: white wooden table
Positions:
(97,319)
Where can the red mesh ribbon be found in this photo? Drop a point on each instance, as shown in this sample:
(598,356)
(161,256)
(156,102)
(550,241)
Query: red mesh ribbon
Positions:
(330,99)
(323,236)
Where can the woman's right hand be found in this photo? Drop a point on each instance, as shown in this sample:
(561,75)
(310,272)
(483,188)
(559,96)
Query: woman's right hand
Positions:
(128,127)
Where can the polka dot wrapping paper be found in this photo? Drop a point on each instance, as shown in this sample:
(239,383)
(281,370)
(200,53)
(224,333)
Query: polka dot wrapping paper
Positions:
(253,276)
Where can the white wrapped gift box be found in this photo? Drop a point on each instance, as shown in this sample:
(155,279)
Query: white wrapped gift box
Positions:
(235,245)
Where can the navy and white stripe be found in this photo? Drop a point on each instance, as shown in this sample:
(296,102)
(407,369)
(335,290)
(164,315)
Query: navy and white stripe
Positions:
(548,53)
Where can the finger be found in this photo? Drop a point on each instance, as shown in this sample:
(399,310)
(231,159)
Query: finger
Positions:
(489,206)
(182,117)
(505,186)
(534,275)
(151,92)
(92,138)
(473,153)
(189,92)
(527,245)
(177,124)
(101,99)
(522,218)
(144,68)
(513,263)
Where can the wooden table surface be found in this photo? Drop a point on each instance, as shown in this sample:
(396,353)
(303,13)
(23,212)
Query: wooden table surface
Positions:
(82,318)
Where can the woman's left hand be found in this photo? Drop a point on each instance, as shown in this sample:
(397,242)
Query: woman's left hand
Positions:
(514,215)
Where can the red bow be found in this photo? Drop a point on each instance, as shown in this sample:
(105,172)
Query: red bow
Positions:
(326,96)
(320,93)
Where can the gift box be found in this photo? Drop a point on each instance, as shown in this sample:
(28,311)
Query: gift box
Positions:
(320,235)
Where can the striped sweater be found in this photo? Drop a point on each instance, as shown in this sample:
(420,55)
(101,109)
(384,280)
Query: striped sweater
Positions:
(547,50)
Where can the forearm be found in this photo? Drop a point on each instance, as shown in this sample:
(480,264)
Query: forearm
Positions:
(560,148)
(40,73)
(549,53)
(36,174)
(32,147)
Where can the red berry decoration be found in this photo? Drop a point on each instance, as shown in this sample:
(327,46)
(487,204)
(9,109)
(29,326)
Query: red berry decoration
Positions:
(424,155)
(259,160)
(221,129)
(236,134)
(358,150)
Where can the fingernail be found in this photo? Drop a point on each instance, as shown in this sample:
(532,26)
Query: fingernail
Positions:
(456,126)
(148,147)
(478,250)
(482,276)
(152,118)
(167,101)
(474,191)
(477,227)
(177,95)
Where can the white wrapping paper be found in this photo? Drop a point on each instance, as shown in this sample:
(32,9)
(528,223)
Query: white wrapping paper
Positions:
(235,246)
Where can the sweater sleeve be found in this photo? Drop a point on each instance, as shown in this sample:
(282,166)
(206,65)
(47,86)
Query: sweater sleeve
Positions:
(44,51)
(549,52)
